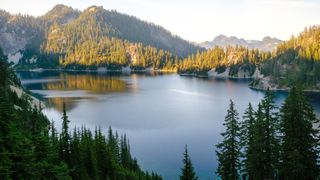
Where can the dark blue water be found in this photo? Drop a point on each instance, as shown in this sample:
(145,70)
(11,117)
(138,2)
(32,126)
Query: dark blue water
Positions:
(159,113)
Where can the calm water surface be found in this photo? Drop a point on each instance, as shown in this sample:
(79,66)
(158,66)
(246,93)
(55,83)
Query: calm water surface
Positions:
(159,113)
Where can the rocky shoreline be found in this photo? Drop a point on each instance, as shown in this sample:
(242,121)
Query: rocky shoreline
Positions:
(264,83)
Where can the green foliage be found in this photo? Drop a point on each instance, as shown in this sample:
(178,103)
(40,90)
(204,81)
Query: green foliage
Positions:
(300,139)
(247,127)
(26,152)
(188,172)
(94,37)
(31,148)
(234,57)
(296,61)
(273,146)
(229,149)
(259,140)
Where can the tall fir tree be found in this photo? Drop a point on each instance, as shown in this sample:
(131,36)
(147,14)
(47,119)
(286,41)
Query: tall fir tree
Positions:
(229,149)
(188,172)
(271,139)
(254,164)
(300,141)
(65,137)
(262,154)
(247,138)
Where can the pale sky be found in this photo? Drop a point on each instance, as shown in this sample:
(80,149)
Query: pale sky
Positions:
(200,20)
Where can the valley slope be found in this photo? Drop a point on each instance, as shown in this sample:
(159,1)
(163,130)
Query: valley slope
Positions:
(95,36)
(295,62)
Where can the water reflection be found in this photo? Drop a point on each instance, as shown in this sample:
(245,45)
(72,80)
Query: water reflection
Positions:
(69,87)
(90,83)
(57,103)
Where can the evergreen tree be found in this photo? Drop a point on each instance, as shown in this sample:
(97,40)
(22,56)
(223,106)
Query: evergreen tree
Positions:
(4,73)
(262,155)
(188,172)
(30,147)
(65,137)
(271,129)
(247,137)
(102,155)
(229,149)
(300,141)
(255,154)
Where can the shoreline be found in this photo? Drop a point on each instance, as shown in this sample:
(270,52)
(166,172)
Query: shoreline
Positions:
(281,89)
(99,71)
(168,71)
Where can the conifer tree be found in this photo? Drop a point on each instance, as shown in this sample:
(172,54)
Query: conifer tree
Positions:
(188,172)
(300,141)
(30,147)
(255,154)
(65,137)
(247,137)
(262,155)
(102,155)
(271,140)
(229,149)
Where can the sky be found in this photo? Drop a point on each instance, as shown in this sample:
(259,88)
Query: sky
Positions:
(200,20)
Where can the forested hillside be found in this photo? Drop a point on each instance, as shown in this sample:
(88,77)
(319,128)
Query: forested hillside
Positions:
(296,61)
(95,36)
(31,147)
(235,59)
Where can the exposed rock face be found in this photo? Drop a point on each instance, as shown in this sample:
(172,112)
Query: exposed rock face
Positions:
(36,103)
(14,58)
(13,42)
(241,74)
(16,33)
(264,83)
(266,44)
(257,74)
(214,73)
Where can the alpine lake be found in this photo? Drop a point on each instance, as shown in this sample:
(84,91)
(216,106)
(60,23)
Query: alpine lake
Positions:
(159,113)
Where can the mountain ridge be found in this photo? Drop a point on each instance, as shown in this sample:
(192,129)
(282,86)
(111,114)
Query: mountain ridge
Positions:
(126,27)
(266,44)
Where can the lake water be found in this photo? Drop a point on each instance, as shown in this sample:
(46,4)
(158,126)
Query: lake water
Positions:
(159,113)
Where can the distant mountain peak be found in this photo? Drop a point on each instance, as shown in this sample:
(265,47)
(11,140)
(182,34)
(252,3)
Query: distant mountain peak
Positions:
(267,38)
(221,36)
(266,44)
(59,9)
(61,14)
(94,8)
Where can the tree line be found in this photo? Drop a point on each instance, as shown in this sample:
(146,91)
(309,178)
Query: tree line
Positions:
(31,147)
(268,143)
(271,143)
(296,61)
(220,58)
